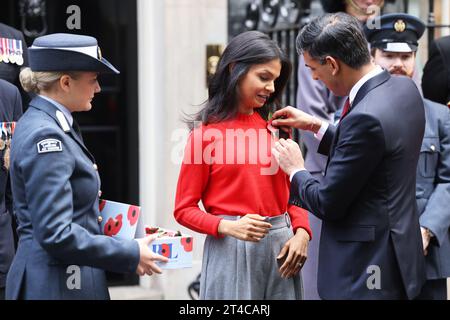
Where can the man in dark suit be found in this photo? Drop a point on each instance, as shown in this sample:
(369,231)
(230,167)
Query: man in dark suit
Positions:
(393,47)
(371,246)
(10,111)
(314,98)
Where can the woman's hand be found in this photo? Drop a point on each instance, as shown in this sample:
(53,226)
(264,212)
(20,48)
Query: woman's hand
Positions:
(294,254)
(147,261)
(251,227)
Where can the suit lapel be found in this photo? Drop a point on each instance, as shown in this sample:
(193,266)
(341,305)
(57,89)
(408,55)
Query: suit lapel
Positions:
(51,110)
(371,84)
(363,91)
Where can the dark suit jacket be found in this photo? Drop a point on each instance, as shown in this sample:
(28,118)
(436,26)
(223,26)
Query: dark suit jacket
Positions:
(433,188)
(10,110)
(370,227)
(56,196)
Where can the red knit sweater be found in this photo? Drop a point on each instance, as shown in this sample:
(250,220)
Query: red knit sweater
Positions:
(228,166)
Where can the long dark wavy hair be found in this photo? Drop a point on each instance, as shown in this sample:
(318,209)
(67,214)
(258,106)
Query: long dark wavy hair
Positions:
(245,50)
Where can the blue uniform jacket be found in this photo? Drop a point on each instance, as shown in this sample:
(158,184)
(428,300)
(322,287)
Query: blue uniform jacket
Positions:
(433,188)
(61,253)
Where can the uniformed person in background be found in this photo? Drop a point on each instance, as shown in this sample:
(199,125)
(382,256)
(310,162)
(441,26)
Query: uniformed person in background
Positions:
(393,47)
(10,111)
(13,57)
(436,74)
(56,185)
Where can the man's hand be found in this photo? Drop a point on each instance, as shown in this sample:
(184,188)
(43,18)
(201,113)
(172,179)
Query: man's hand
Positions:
(294,252)
(292,117)
(288,155)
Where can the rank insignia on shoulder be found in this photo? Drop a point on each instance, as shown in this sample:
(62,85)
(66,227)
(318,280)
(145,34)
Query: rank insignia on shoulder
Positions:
(49,145)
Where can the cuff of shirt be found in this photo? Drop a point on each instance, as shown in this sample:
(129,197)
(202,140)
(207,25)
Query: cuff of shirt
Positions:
(294,172)
(323,128)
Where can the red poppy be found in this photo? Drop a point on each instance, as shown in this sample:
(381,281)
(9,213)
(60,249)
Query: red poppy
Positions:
(164,250)
(187,244)
(113,226)
(150,230)
(133,215)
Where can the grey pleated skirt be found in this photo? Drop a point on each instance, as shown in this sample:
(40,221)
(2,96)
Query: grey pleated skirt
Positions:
(233,269)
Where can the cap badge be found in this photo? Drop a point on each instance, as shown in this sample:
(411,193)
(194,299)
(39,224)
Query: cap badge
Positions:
(400,26)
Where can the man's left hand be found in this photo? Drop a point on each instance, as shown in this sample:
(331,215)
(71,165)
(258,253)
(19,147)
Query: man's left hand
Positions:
(288,155)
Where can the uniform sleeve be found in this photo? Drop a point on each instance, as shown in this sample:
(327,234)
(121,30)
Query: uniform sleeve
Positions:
(436,215)
(192,182)
(48,192)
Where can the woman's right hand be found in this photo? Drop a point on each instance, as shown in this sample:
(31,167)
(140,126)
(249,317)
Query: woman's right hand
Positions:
(251,227)
(147,261)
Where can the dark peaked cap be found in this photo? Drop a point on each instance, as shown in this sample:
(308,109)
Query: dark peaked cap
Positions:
(398,32)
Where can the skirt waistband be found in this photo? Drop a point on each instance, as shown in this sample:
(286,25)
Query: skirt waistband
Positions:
(277,222)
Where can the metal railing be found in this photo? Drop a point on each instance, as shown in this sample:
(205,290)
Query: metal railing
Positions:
(432,26)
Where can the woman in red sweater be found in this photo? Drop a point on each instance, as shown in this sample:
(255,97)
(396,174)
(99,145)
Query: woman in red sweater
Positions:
(256,242)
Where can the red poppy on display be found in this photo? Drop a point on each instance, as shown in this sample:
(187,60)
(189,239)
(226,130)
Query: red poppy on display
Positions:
(187,244)
(113,226)
(164,250)
(133,215)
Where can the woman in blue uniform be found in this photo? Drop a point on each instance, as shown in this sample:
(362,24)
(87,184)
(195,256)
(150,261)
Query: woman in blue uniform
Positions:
(55,183)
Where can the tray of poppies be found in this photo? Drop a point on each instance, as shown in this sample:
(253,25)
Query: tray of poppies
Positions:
(174,245)
(120,220)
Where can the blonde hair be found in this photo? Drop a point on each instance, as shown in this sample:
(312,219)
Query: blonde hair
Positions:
(41,81)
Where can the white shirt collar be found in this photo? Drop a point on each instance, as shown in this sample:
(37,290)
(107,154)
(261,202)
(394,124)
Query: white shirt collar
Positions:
(61,108)
(362,81)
